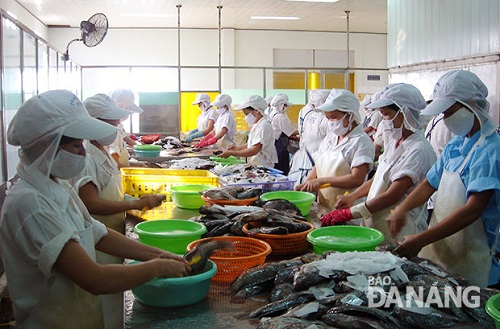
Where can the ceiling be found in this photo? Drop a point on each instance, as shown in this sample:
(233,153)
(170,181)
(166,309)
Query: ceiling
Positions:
(364,16)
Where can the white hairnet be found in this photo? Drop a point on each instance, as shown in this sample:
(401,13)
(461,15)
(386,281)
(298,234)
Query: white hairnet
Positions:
(279,101)
(202,98)
(125,98)
(254,101)
(318,97)
(39,124)
(222,100)
(464,87)
(342,100)
(101,106)
(408,98)
(367,100)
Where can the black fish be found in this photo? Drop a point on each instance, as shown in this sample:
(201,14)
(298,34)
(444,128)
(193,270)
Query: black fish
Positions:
(198,256)
(283,305)
(282,205)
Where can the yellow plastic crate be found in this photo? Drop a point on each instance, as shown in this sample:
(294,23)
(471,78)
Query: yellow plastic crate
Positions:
(141,181)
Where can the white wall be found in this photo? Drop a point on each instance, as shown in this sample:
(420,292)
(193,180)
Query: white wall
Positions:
(239,48)
(427,38)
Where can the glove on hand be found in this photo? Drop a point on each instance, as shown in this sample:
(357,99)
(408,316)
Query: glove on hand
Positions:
(203,141)
(194,135)
(207,142)
(336,216)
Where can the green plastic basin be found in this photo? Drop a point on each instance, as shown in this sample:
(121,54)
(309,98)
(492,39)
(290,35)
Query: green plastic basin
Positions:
(303,200)
(169,234)
(492,308)
(147,150)
(174,292)
(344,238)
(189,196)
(227,161)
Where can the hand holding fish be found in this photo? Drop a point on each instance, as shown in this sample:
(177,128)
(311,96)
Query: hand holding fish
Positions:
(312,185)
(409,247)
(345,201)
(149,201)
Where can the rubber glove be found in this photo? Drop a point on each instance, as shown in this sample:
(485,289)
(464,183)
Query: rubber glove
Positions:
(194,135)
(336,216)
(203,142)
(344,215)
(208,142)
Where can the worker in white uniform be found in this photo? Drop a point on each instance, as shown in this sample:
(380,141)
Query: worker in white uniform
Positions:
(99,185)
(345,156)
(463,231)
(225,126)
(47,236)
(268,99)
(259,149)
(283,131)
(406,159)
(125,99)
(313,127)
(372,116)
(206,120)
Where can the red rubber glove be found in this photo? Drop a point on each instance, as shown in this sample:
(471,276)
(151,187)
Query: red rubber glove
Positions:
(203,141)
(208,142)
(336,216)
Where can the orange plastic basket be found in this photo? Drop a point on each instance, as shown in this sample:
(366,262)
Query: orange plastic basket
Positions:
(283,244)
(247,253)
(242,202)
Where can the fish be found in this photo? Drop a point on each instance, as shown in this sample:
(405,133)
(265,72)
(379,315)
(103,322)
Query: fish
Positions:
(435,319)
(232,190)
(212,224)
(385,318)
(282,205)
(307,276)
(346,321)
(220,230)
(281,291)
(290,323)
(198,256)
(249,193)
(217,194)
(256,275)
(211,210)
(283,305)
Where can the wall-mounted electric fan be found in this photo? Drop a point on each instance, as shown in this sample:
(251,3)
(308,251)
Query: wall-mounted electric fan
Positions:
(93,32)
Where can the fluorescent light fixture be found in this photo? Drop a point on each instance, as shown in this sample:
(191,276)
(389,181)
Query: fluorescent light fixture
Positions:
(276,17)
(11,15)
(314,0)
(148,15)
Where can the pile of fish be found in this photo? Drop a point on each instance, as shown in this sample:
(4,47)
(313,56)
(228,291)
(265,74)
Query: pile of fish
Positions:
(361,290)
(171,142)
(232,193)
(274,216)
(191,163)
(256,176)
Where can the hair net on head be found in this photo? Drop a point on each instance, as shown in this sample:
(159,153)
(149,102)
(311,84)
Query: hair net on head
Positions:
(408,98)
(367,100)
(254,101)
(202,98)
(37,128)
(103,107)
(344,101)
(222,100)
(318,97)
(464,87)
(268,100)
(125,98)
(279,101)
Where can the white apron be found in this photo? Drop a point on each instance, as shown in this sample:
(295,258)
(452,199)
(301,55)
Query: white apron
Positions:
(331,163)
(225,141)
(56,309)
(300,167)
(112,304)
(466,252)
(416,220)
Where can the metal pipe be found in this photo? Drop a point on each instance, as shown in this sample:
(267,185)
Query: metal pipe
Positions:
(348,57)
(220,50)
(179,47)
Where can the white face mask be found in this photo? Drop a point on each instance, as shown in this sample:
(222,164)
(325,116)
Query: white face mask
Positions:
(67,165)
(107,140)
(393,132)
(337,127)
(460,123)
(250,118)
(202,106)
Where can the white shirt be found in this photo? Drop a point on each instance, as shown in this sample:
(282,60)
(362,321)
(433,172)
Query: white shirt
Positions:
(226,120)
(262,132)
(357,148)
(99,169)
(416,159)
(33,231)
(205,116)
(437,134)
(372,118)
(313,128)
(281,124)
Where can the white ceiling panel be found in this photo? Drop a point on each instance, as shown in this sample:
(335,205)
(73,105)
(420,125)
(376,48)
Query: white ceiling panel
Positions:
(365,15)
